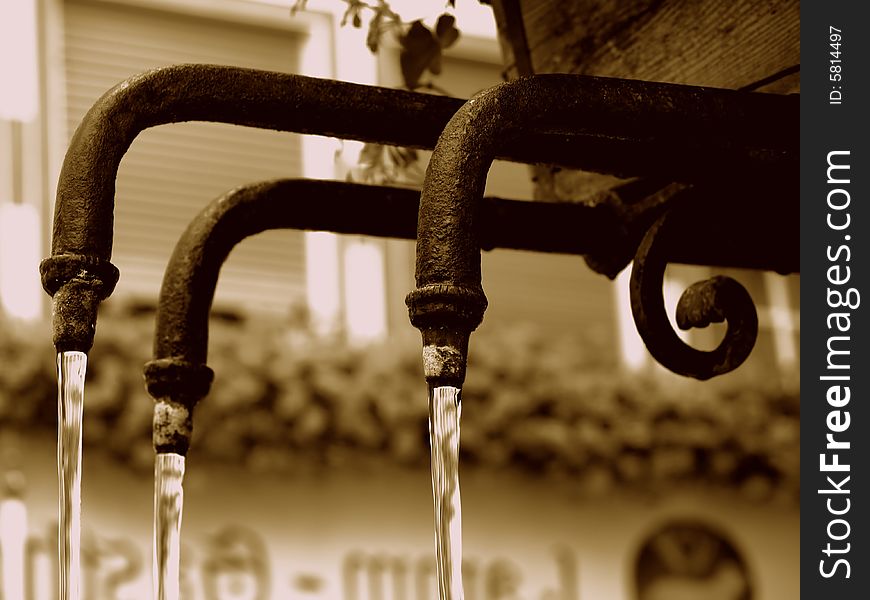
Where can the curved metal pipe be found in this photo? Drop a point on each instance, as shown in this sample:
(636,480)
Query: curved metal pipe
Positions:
(449,302)
(178,376)
(79,275)
(713,300)
(727,226)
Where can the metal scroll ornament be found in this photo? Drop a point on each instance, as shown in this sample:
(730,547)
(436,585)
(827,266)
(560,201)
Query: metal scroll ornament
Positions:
(713,300)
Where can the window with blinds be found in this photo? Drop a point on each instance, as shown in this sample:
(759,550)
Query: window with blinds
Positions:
(172,172)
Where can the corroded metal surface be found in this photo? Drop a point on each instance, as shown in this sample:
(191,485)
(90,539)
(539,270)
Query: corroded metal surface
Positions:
(172,426)
(613,126)
(736,222)
(340,207)
(83,224)
(710,301)
(609,121)
(685,125)
(178,377)
(612,132)
(78,283)
(743,213)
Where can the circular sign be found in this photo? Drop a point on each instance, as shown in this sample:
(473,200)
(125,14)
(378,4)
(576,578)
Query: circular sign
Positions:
(689,560)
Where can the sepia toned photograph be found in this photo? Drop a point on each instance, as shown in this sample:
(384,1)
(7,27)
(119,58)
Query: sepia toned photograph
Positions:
(403,300)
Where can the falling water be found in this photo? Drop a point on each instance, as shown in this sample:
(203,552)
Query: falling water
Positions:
(71,368)
(444,411)
(168,505)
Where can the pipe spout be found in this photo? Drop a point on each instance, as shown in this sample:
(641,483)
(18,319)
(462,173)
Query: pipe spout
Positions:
(178,376)
(684,124)
(82,241)
(79,273)
(77,283)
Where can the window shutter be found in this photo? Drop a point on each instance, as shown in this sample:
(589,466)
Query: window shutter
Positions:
(171,172)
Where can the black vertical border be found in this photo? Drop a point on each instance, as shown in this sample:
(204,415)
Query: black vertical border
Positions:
(827,127)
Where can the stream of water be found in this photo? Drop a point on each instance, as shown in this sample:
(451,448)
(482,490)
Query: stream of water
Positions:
(168,507)
(71,367)
(444,411)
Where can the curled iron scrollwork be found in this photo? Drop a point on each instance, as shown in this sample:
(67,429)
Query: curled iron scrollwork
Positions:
(713,300)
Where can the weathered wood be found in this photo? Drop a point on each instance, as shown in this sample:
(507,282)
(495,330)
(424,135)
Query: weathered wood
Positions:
(512,39)
(697,42)
(705,42)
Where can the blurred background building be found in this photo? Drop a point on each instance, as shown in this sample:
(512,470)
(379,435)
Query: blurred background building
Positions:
(591,474)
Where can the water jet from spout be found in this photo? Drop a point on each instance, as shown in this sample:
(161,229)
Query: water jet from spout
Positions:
(71,367)
(168,507)
(444,412)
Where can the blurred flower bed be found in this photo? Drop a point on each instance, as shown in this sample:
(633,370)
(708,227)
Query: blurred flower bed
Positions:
(284,401)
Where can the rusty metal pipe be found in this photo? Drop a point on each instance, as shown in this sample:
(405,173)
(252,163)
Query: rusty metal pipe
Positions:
(178,377)
(79,275)
(449,302)
(381,211)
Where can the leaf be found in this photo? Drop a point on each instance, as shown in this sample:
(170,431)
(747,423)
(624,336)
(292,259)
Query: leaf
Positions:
(371,155)
(403,158)
(435,64)
(446,31)
(373,38)
(352,14)
(419,38)
(420,50)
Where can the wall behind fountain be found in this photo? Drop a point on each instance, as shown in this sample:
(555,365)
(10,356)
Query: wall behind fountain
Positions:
(339,533)
(308,474)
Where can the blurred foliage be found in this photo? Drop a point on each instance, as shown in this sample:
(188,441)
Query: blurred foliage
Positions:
(420,46)
(284,400)
(387,165)
(420,57)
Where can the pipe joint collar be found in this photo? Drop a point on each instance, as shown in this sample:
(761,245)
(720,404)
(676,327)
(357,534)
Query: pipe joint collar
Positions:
(446,306)
(182,381)
(98,274)
(77,284)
